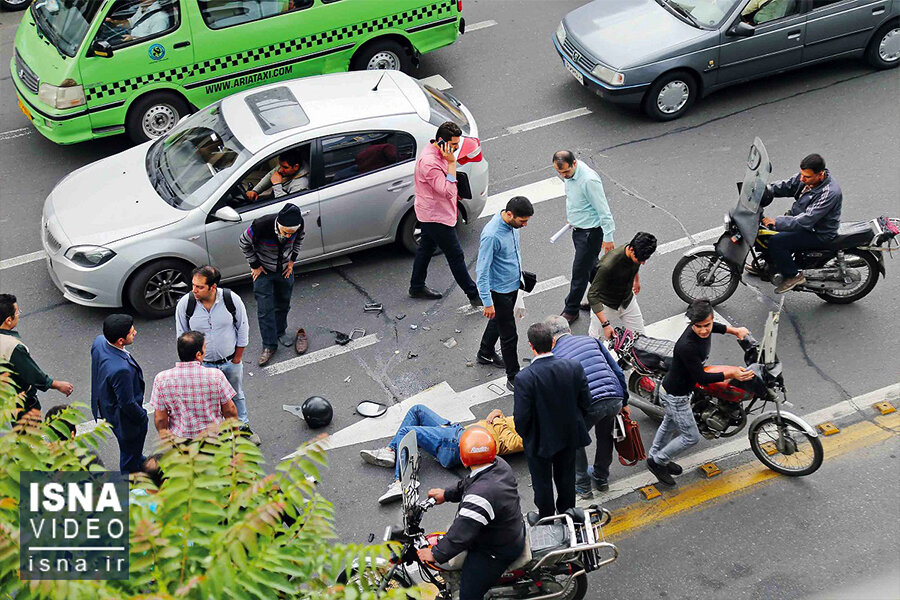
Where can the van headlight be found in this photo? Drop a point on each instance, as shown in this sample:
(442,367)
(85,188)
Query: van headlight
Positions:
(561,33)
(608,75)
(68,94)
(89,256)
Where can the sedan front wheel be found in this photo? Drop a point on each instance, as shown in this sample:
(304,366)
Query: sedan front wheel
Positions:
(671,96)
(156,288)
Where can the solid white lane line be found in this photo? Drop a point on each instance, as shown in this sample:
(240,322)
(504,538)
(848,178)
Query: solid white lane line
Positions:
(320,355)
(437,82)
(551,120)
(685,241)
(21,260)
(537,192)
(541,286)
(480,25)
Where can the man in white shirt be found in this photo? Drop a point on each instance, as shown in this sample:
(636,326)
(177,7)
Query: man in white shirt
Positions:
(148,20)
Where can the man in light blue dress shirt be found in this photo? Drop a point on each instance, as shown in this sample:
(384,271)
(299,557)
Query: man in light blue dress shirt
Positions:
(587,211)
(499,273)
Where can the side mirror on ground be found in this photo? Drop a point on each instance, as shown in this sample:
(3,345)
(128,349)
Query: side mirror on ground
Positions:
(741,29)
(370,408)
(227,214)
(102,48)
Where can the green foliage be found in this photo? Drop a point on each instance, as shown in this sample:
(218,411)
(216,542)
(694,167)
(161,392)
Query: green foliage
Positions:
(218,527)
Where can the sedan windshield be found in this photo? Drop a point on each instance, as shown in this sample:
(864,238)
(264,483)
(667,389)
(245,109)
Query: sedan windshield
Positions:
(189,164)
(64,23)
(703,13)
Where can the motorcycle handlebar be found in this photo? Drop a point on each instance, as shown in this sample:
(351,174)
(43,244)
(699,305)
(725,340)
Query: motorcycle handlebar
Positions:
(426,504)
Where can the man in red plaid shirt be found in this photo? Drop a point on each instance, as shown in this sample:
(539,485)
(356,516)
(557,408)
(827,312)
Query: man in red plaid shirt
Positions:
(188,398)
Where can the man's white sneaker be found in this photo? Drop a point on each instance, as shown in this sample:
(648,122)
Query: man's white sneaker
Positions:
(393,493)
(382,457)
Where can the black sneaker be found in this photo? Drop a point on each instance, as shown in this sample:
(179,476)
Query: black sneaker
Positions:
(425,293)
(661,472)
(494,359)
(511,385)
(674,468)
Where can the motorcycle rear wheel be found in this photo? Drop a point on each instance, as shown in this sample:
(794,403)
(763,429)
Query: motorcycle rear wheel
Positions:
(691,269)
(575,590)
(764,441)
(868,266)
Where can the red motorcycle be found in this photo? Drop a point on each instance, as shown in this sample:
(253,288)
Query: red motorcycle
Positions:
(782,441)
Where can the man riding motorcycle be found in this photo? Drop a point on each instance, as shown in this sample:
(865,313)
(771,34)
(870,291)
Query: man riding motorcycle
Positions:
(488,523)
(811,223)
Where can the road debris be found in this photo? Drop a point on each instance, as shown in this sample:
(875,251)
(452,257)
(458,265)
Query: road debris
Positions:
(450,342)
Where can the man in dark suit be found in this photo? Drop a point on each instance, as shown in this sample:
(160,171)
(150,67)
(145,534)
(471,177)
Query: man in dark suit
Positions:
(551,399)
(117,389)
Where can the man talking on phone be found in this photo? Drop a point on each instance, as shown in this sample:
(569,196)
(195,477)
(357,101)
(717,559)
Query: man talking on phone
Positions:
(436,210)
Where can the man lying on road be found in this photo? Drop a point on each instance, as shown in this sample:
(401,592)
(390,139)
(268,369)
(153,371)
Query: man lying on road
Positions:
(439,438)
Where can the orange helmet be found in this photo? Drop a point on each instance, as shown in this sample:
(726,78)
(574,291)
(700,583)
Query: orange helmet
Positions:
(477,447)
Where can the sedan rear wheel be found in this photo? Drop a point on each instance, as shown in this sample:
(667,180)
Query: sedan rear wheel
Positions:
(156,288)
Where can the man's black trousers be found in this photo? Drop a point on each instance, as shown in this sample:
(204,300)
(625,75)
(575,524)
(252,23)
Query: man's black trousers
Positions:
(560,469)
(436,235)
(588,243)
(503,327)
(481,570)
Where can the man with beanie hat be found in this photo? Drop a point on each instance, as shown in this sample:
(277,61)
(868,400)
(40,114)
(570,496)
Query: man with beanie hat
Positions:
(271,245)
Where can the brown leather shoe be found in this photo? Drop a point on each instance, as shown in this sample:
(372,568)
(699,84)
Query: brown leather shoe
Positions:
(266,356)
(569,317)
(302,343)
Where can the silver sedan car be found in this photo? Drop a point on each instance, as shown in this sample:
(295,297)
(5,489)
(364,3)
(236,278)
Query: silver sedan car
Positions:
(128,229)
(664,54)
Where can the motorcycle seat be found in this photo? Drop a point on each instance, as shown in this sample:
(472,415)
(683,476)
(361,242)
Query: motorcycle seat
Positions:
(855,233)
(548,537)
(655,354)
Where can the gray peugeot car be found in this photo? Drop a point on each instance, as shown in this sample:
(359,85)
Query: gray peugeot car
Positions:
(664,54)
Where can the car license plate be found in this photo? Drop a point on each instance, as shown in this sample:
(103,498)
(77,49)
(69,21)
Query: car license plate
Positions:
(25,109)
(575,72)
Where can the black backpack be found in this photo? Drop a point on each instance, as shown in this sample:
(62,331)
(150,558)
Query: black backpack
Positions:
(226,297)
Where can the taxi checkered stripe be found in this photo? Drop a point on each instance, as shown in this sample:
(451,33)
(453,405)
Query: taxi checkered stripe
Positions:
(247,57)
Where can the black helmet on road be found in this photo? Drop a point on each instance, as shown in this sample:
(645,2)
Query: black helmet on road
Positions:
(317,411)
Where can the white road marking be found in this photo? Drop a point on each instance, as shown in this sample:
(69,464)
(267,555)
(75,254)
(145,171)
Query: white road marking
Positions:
(21,260)
(15,133)
(320,355)
(480,25)
(551,120)
(685,242)
(437,82)
(541,286)
(539,191)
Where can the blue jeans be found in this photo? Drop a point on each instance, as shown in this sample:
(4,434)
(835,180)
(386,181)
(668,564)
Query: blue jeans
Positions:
(678,430)
(434,434)
(600,416)
(234,373)
(783,245)
(273,301)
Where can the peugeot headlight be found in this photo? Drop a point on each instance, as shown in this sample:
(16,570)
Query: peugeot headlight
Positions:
(608,75)
(89,256)
(68,94)
(561,33)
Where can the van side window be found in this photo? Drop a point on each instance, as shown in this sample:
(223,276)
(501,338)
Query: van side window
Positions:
(352,154)
(219,14)
(130,21)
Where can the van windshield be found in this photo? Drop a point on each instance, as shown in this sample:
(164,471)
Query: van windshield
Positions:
(64,23)
(189,164)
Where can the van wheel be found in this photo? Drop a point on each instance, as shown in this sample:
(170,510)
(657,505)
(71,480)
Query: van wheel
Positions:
(382,55)
(671,96)
(884,49)
(156,288)
(14,4)
(154,115)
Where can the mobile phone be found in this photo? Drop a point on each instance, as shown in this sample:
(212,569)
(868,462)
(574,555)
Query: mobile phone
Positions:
(442,144)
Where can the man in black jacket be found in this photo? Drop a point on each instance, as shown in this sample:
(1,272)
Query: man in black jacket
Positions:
(271,245)
(552,398)
(488,524)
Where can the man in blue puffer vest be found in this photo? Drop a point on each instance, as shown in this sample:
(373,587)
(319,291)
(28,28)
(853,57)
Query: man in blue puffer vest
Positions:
(609,395)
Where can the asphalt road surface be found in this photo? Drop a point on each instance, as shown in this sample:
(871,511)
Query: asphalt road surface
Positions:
(680,179)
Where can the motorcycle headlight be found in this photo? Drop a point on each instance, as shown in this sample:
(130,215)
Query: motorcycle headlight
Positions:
(89,256)
(561,33)
(68,94)
(608,75)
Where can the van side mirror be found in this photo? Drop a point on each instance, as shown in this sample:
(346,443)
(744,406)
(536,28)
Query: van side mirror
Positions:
(227,214)
(742,29)
(102,48)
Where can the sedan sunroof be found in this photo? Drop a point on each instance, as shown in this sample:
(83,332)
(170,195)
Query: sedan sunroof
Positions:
(276,110)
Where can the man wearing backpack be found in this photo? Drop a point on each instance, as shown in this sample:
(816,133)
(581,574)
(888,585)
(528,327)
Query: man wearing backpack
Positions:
(219,314)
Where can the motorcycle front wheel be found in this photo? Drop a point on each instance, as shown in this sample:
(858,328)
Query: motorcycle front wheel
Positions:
(791,452)
(692,272)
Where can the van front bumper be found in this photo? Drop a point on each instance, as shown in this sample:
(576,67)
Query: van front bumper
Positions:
(61,127)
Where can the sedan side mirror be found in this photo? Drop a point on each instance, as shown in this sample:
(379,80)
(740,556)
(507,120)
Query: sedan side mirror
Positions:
(227,214)
(742,29)
(102,48)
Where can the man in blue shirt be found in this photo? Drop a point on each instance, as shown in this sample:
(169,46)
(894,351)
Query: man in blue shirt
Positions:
(587,211)
(499,273)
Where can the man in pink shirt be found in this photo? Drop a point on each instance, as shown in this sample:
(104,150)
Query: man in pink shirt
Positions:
(436,210)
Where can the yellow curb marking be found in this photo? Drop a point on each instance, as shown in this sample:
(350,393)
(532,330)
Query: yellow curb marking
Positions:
(650,492)
(885,407)
(828,428)
(710,469)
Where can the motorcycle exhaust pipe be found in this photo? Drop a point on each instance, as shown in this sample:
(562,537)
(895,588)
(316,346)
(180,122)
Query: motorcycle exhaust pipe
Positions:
(650,409)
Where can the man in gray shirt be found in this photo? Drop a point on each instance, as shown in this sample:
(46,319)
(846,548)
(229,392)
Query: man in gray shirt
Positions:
(219,314)
(289,177)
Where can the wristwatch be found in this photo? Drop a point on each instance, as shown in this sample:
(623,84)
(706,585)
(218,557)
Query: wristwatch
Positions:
(604,324)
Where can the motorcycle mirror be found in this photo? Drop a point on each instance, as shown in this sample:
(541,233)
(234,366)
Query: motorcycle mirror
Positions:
(370,408)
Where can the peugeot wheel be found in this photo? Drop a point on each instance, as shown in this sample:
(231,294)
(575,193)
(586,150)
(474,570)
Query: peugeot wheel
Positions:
(787,449)
(864,273)
(154,115)
(884,49)
(704,276)
(156,288)
(670,96)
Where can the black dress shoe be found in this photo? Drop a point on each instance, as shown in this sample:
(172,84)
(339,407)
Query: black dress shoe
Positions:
(674,468)
(660,471)
(426,293)
(495,360)
(511,385)
(571,318)
(532,517)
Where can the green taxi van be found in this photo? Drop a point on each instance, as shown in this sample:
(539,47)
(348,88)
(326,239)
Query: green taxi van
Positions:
(86,69)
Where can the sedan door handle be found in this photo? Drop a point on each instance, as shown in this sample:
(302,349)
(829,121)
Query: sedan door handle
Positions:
(794,35)
(305,213)
(399,185)
(878,10)
(184,44)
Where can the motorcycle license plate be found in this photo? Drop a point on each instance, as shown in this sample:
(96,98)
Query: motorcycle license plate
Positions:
(25,110)
(575,72)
